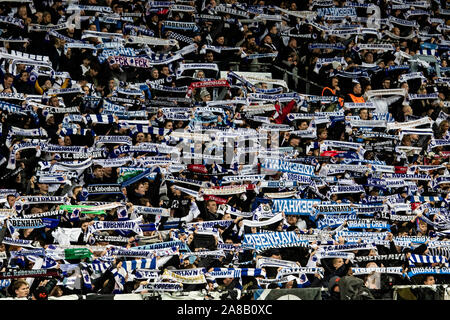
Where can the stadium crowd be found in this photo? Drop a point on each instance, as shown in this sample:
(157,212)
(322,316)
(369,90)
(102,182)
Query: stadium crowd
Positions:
(224,146)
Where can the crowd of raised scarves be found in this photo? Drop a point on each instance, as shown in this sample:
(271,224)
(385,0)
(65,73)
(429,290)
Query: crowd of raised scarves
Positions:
(144,152)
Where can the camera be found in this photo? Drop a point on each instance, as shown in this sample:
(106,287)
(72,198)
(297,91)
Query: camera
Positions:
(42,292)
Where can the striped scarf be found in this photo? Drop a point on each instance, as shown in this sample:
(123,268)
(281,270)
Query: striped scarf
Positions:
(426,259)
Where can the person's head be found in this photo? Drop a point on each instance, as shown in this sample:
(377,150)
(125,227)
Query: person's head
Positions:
(334,82)
(22,11)
(155,73)
(294,141)
(205,95)
(357,89)
(386,84)
(220,40)
(165,71)
(273,30)
(322,134)
(267,39)
(364,114)
(24,76)
(293,43)
(140,137)
(67,141)
(338,262)
(429,280)
(227,281)
(200,74)
(169,125)
(368,57)
(443,126)
(94,69)
(140,188)
(209,57)
(21,288)
(11,200)
(86,60)
(46,17)
(97,171)
(407,110)
(423,227)
(292,219)
(211,205)
(43,187)
(54,101)
(8,80)
(303,125)
(176,192)
(50,119)
(396,31)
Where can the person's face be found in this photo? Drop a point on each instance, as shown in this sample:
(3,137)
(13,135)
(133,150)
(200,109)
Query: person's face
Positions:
(227,281)
(11,200)
(303,125)
(8,82)
(207,98)
(169,125)
(364,114)
(165,71)
(67,141)
(335,82)
(93,72)
(387,84)
(98,172)
(43,187)
(294,142)
(429,280)
(212,207)
(35,210)
(38,16)
(293,43)
(292,220)
(407,110)
(47,18)
(24,77)
(54,102)
(200,74)
(155,74)
(323,135)
(209,57)
(338,263)
(226,216)
(268,39)
(140,137)
(27,232)
(369,58)
(221,41)
(22,11)
(140,189)
(276,256)
(423,227)
(107,171)
(357,89)
(23,291)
